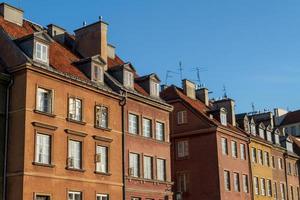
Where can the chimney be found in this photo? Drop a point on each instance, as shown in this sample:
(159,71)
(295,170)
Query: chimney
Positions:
(111,51)
(202,95)
(12,14)
(91,40)
(56,32)
(229,105)
(189,88)
(163,87)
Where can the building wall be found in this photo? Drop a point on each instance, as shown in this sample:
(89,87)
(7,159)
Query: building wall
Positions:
(28,178)
(258,170)
(293,177)
(233,165)
(140,187)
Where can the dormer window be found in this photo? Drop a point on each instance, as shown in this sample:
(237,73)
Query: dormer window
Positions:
(154,89)
(128,79)
(98,73)
(261,132)
(41,52)
(223,117)
(269,136)
(277,139)
(253,129)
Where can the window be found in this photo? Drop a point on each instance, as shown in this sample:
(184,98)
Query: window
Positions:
(243,151)
(227,180)
(262,133)
(101,116)
(41,52)
(253,155)
(182,182)
(134,164)
(147,167)
(102,197)
(262,186)
(98,74)
(269,136)
(160,131)
(280,164)
(133,124)
(269,188)
(44,100)
(42,197)
(234,149)
(236,182)
(275,191)
(161,169)
(154,89)
(260,157)
(75,196)
(289,146)
(296,169)
(224,146)
(182,149)
(128,79)
(292,193)
(74,154)
(253,129)
(245,183)
(182,117)
(289,171)
(75,109)
(223,118)
(282,191)
(101,159)
(136,198)
(277,139)
(267,158)
(255,185)
(147,128)
(273,162)
(43,149)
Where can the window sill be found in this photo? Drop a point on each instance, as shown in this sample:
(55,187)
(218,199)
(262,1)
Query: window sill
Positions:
(75,169)
(148,180)
(43,164)
(148,138)
(44,113)
(75,121)
(103,173)
(102,128)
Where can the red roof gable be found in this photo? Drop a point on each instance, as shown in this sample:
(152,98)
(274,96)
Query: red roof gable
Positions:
(291,118)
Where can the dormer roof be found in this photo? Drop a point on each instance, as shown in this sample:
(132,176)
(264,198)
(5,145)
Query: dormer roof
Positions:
(150,76)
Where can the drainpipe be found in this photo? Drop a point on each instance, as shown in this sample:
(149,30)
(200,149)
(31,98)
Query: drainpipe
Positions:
(250,171)
(122,103)
(6,138)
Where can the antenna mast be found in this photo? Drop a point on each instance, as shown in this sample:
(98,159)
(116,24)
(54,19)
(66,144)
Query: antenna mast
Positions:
(253,107)
(180,69)
(225,92)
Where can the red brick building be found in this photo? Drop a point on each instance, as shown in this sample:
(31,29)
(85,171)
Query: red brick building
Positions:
(210,159)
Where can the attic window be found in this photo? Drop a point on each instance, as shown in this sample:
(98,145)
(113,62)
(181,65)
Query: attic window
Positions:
(98,73)
(154,89)
(223,117)
(253,129)
(128,79)
(41,52)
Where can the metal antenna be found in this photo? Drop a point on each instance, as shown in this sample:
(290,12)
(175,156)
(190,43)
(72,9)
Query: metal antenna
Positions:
(225,92)
(253,107)
(100,18)
(169,75)
(198,70)
(180,70)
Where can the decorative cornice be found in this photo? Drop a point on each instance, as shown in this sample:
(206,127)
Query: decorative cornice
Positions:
(77,133)
(104,139)
(46,126)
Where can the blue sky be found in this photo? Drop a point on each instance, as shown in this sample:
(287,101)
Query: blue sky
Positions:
(251,47)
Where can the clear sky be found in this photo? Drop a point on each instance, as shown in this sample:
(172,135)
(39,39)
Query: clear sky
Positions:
(250,46)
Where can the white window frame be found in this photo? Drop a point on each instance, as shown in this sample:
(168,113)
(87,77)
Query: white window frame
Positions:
(260,157)
(148,167)
(43,51)
(147,127)
(102,197)
(101,116)
(161,169)
(262,187)
(75,108)
(243,151)
(256,185)
(224,145)
(227,184)
(234,149)
(128,79)
(154,89)
(98,73)
(73,194)
(223,118)
(182,147)
(72,151)
(43,150)
(236,182)
(134,164)
(160,131)
(245,183)
(182,117)
(269,187)
(254,154)
(44,104)
(133,124)
(101,159)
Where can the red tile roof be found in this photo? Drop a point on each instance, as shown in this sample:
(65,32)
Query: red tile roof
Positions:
(17,31)
(291,118)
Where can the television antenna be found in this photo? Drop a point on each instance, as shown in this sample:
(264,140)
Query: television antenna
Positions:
(169,75)
(198,80)
(225,91)
(180,70)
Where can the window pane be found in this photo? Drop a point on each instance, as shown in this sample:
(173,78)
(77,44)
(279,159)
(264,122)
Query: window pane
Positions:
(102,159)
(227,180)
(75,110)
(133,124)
(161,170)
(234,149)
(147,167)
(224,146)
(147,127)
(160,131)
(43,148)
(134,165)
(44,100)
(74,154)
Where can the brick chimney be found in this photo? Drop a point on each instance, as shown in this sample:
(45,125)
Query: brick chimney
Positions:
(202,95)
(56,32)
(12,14)
(189,88)
(91,40)
(229,105)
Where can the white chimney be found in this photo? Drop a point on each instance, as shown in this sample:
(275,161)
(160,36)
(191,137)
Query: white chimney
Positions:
(12,14)
(189,88)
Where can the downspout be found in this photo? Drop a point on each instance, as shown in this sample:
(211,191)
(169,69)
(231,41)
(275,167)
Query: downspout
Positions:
(6,138)
(122,103)
(250,171)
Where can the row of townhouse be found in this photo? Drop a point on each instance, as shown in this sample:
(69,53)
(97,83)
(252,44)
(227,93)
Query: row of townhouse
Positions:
(80,123)
(218,154)
(77,122)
